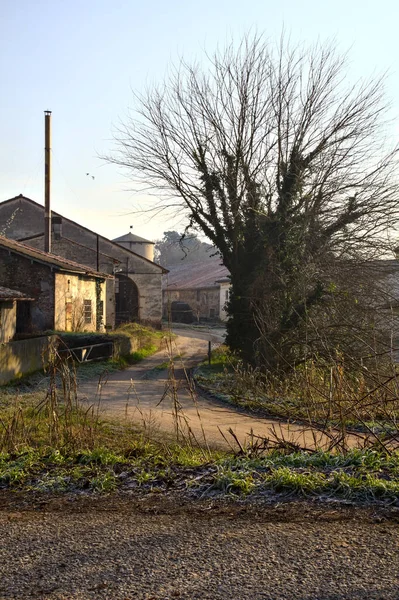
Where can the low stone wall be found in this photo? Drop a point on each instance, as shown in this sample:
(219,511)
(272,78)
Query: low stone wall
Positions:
(125,345)
(23,357)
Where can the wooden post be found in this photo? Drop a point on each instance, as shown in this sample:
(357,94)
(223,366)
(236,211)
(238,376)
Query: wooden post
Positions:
(47,180)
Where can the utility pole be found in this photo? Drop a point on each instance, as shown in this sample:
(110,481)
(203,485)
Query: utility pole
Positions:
(47,180)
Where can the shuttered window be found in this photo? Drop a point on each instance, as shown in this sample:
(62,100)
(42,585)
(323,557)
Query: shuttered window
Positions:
(87,312)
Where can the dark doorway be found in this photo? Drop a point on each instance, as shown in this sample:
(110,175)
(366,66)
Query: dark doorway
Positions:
(181,312)
(24,319)
(126,300)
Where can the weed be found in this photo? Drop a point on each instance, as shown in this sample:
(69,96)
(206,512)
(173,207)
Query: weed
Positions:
(103,482)
(230,481)
(142,353)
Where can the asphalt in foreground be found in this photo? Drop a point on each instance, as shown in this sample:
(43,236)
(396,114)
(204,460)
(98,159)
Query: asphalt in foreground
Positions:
(160,548)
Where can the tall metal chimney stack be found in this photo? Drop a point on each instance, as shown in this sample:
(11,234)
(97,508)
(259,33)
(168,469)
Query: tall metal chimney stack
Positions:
(47,180)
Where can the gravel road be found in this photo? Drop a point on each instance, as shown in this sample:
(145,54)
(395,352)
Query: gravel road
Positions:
(125,549)
(143,394)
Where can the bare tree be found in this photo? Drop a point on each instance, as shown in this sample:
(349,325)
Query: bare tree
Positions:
(282,165)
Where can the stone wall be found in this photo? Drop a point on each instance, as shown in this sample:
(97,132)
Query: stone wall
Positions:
(71,293)
(124,344)
(33,279)
(147,277)
(204,303)
(80,244)
(23,357)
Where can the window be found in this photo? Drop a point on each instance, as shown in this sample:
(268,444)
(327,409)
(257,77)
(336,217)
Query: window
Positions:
(87,313)
(211,313)
(226,295)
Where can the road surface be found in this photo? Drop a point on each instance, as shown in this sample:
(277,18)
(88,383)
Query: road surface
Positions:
(161,399)
(110,549)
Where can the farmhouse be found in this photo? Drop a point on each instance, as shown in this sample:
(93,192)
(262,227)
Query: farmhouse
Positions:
(134,293)
(48,292)
(196,291)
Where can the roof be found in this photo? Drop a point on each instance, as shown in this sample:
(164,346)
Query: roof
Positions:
(7,294)
(49,259)
(53,213)
(131,237)
(204,274)
(74,242)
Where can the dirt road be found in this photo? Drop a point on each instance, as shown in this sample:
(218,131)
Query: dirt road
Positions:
(125,549)
(143,393)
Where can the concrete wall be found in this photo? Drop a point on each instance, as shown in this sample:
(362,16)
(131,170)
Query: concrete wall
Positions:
(8,320)
(80,245)
(23,357)
(34,280)
(70,293)
(205,302)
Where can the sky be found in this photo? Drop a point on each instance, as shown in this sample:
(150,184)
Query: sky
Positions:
(82,60)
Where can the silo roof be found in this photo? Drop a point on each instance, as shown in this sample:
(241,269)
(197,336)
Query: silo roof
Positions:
(131,237)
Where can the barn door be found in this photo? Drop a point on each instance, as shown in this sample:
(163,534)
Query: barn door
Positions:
(126,300)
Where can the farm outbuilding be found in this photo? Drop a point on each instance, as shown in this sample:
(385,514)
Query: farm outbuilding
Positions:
(134,291)
(194,292)
(56,294)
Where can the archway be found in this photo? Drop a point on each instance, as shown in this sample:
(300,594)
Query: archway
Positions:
(126,300)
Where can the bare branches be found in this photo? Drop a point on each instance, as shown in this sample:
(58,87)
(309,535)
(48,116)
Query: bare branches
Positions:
(277,159)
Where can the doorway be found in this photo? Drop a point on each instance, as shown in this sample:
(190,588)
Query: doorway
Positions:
(126,300)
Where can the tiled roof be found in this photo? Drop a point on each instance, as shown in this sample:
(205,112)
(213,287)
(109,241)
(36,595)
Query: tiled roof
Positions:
(7,294)
(51,259)
(204,274)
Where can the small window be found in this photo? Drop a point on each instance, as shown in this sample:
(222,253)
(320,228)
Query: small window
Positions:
(87,313)
(226,295)
(211,313)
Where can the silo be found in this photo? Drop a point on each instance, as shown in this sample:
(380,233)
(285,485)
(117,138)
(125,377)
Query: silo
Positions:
(136,244)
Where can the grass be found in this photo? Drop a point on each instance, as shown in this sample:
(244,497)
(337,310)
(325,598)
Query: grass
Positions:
(329,395)
(31,387)
(51,444)
(358,476)
(139,355)
(365,476)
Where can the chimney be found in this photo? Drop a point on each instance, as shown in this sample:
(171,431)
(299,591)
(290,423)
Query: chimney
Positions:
(57,227)
(47,180)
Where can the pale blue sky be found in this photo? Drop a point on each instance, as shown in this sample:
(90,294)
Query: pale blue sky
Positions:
(81,60)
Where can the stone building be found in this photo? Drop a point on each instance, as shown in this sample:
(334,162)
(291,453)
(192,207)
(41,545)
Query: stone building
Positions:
(196,291)
(53,293)
(135,292)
